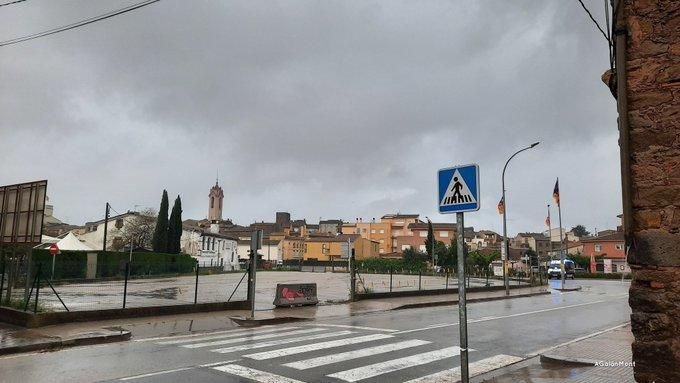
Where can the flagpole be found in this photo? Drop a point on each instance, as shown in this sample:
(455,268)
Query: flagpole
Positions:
(559,213)
(549,233)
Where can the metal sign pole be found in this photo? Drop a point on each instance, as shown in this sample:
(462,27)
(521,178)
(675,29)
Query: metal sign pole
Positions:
(462,310)
(255,245)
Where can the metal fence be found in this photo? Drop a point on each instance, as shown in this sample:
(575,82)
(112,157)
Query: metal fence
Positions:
(132,283)
(377,281)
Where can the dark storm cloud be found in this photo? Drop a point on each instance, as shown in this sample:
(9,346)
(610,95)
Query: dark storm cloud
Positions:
(333,109)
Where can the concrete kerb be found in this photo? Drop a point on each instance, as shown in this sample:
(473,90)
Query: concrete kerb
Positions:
(472,300)
(565,361)
(84,339)
(247,322)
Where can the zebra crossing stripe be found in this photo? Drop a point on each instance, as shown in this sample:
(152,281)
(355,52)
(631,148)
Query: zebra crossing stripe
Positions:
(355,354)
(201,334)
(377,369)
(249,338)
(279,342)
(476,368)
(316,346)
(253,374)
(221,335)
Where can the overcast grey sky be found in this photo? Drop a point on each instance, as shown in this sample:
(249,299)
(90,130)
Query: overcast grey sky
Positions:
(333,109)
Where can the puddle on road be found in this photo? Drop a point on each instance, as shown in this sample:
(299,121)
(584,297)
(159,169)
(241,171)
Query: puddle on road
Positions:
(165,293)
(539,373)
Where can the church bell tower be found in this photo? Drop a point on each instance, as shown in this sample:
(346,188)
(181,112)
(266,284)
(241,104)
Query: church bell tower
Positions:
(215,203)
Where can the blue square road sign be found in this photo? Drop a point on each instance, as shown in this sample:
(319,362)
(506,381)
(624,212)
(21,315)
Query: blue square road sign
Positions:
(458,189)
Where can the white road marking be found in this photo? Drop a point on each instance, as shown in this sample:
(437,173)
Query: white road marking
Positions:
(229,335)
(544,350)
(219,363)
(256,375)
(250,338)
(476,368)
(377,369)
(355,354)
(190,335)
(316,346)
(358,327)
(486,319)
(280,342)
(156,373)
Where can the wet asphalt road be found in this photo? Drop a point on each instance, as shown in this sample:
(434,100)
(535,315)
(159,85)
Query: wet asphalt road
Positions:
(396,346)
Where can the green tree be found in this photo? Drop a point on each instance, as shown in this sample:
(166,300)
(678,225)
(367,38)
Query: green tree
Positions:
(414,259)
(160,234)
(175,227)
(581,260)
(449,257)
(580,231)
(429,243)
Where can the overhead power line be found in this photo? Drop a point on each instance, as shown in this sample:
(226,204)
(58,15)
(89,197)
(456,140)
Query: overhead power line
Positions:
(79,23)
(596,23)
(12,2)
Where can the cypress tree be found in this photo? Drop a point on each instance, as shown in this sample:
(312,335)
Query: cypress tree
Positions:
(160,234)
(175,227)
(429,244)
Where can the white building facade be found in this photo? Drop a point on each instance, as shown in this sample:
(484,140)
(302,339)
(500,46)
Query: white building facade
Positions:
(210,249)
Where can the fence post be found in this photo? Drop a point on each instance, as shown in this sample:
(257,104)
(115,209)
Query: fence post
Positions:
(420,276)
(127,274)
(196,289)
(446,286)
(390,278)
(2,276)
(352,276)
(37,290)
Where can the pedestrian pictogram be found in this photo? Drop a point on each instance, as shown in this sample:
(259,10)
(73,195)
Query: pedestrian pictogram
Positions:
(459,189)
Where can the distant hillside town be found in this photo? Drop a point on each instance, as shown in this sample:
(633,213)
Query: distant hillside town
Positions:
(219,242)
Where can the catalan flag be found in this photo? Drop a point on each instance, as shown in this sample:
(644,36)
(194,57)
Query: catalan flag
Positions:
(556,192)
(501,206)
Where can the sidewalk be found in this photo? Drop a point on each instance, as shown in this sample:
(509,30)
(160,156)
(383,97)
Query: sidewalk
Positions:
(16,339)
(596,359)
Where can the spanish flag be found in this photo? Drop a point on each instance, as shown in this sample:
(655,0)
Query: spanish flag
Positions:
(556,192)
(501,206)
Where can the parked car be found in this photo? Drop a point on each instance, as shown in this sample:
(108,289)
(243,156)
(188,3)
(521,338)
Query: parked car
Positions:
(555,269)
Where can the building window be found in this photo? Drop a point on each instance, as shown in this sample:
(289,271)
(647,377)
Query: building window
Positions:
(382,241)
(423,234)
(202,243)
(363,230)
(381,251)
(405,247)
(619,246)
(443,234)
(373,231)
(212,202)
(598,247)
(423,248)
(382,231)
(119,223)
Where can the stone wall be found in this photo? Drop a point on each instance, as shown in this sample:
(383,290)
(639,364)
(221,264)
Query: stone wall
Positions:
(653,95)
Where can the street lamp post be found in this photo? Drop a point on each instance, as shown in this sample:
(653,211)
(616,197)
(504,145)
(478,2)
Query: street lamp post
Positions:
(506,249)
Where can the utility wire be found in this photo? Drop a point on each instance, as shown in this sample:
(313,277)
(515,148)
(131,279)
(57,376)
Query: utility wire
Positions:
(594,21)
(79,23)
(12,2)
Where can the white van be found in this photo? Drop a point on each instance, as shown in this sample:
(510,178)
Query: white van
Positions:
(555,269)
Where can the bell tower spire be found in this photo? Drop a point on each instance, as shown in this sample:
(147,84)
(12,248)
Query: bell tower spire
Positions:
(215,199)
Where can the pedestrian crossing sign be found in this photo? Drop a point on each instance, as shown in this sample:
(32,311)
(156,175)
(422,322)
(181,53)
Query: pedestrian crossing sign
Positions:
(458,189)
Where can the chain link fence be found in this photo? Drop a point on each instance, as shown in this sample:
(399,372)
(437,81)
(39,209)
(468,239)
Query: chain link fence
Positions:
(77,281)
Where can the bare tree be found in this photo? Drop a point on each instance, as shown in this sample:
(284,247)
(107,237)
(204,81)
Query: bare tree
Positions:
(138,230)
